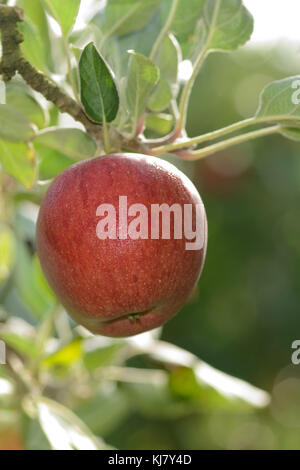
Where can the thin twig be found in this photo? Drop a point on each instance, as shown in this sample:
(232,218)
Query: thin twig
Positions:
(211,149)
(186,93)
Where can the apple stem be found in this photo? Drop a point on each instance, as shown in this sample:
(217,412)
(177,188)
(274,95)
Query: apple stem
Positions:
(107,146)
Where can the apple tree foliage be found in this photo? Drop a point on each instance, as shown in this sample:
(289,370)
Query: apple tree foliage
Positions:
(112,83)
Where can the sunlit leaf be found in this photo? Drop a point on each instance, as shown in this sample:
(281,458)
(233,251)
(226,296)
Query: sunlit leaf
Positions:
(280,100)
(25,220)
(105,411)
(99,94)
(18,160)
(73,143)
(167,59)
(142,77)
(37,15)
(100,356)
(64,12)
(140,41)
(125,16)
(34,437)
(40,280)
(32,46)
(230,24)
(51,162)
(13,125)
(161,97)
(226,25)
(193,44)
(186,17)
(64,430)
(23,345)
(154,400)
(183,383)
(230,387)
(160,124)
(36,297)
(19,98)
(7,252)
(65,356)
(291,133)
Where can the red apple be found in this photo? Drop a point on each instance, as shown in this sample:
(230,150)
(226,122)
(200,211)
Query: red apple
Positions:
(118,287)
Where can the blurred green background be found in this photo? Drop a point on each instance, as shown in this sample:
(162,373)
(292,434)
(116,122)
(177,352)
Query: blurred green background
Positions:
(245,313)
(247,310)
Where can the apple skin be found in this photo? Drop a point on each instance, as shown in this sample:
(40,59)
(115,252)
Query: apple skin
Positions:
(102,283)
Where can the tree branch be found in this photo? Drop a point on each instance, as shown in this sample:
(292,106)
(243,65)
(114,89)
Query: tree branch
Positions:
(11,38)
(13,61)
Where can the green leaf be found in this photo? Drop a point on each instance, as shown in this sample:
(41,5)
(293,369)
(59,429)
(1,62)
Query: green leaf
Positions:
(17,160)
(105,411)
(154,400)
(167,60)
(7,252)
(112,54)
(142,77)
(161,97)
(160,124)
(23,345)
(101,356)
(229,387)
(126,16)
(225,24)
(32,290)
(192,44)
(64,430)
(279,101)
(13,125)
(65,356)
(33,46)
(64,12)
(51,163)
(140,41)
(291,133)
(73,143)
(40,280)
(183,383)
(2,92)
(34,437)
(185,386)
(186,17)
(99,94)
(233,24)
(37,15)
(20,98)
